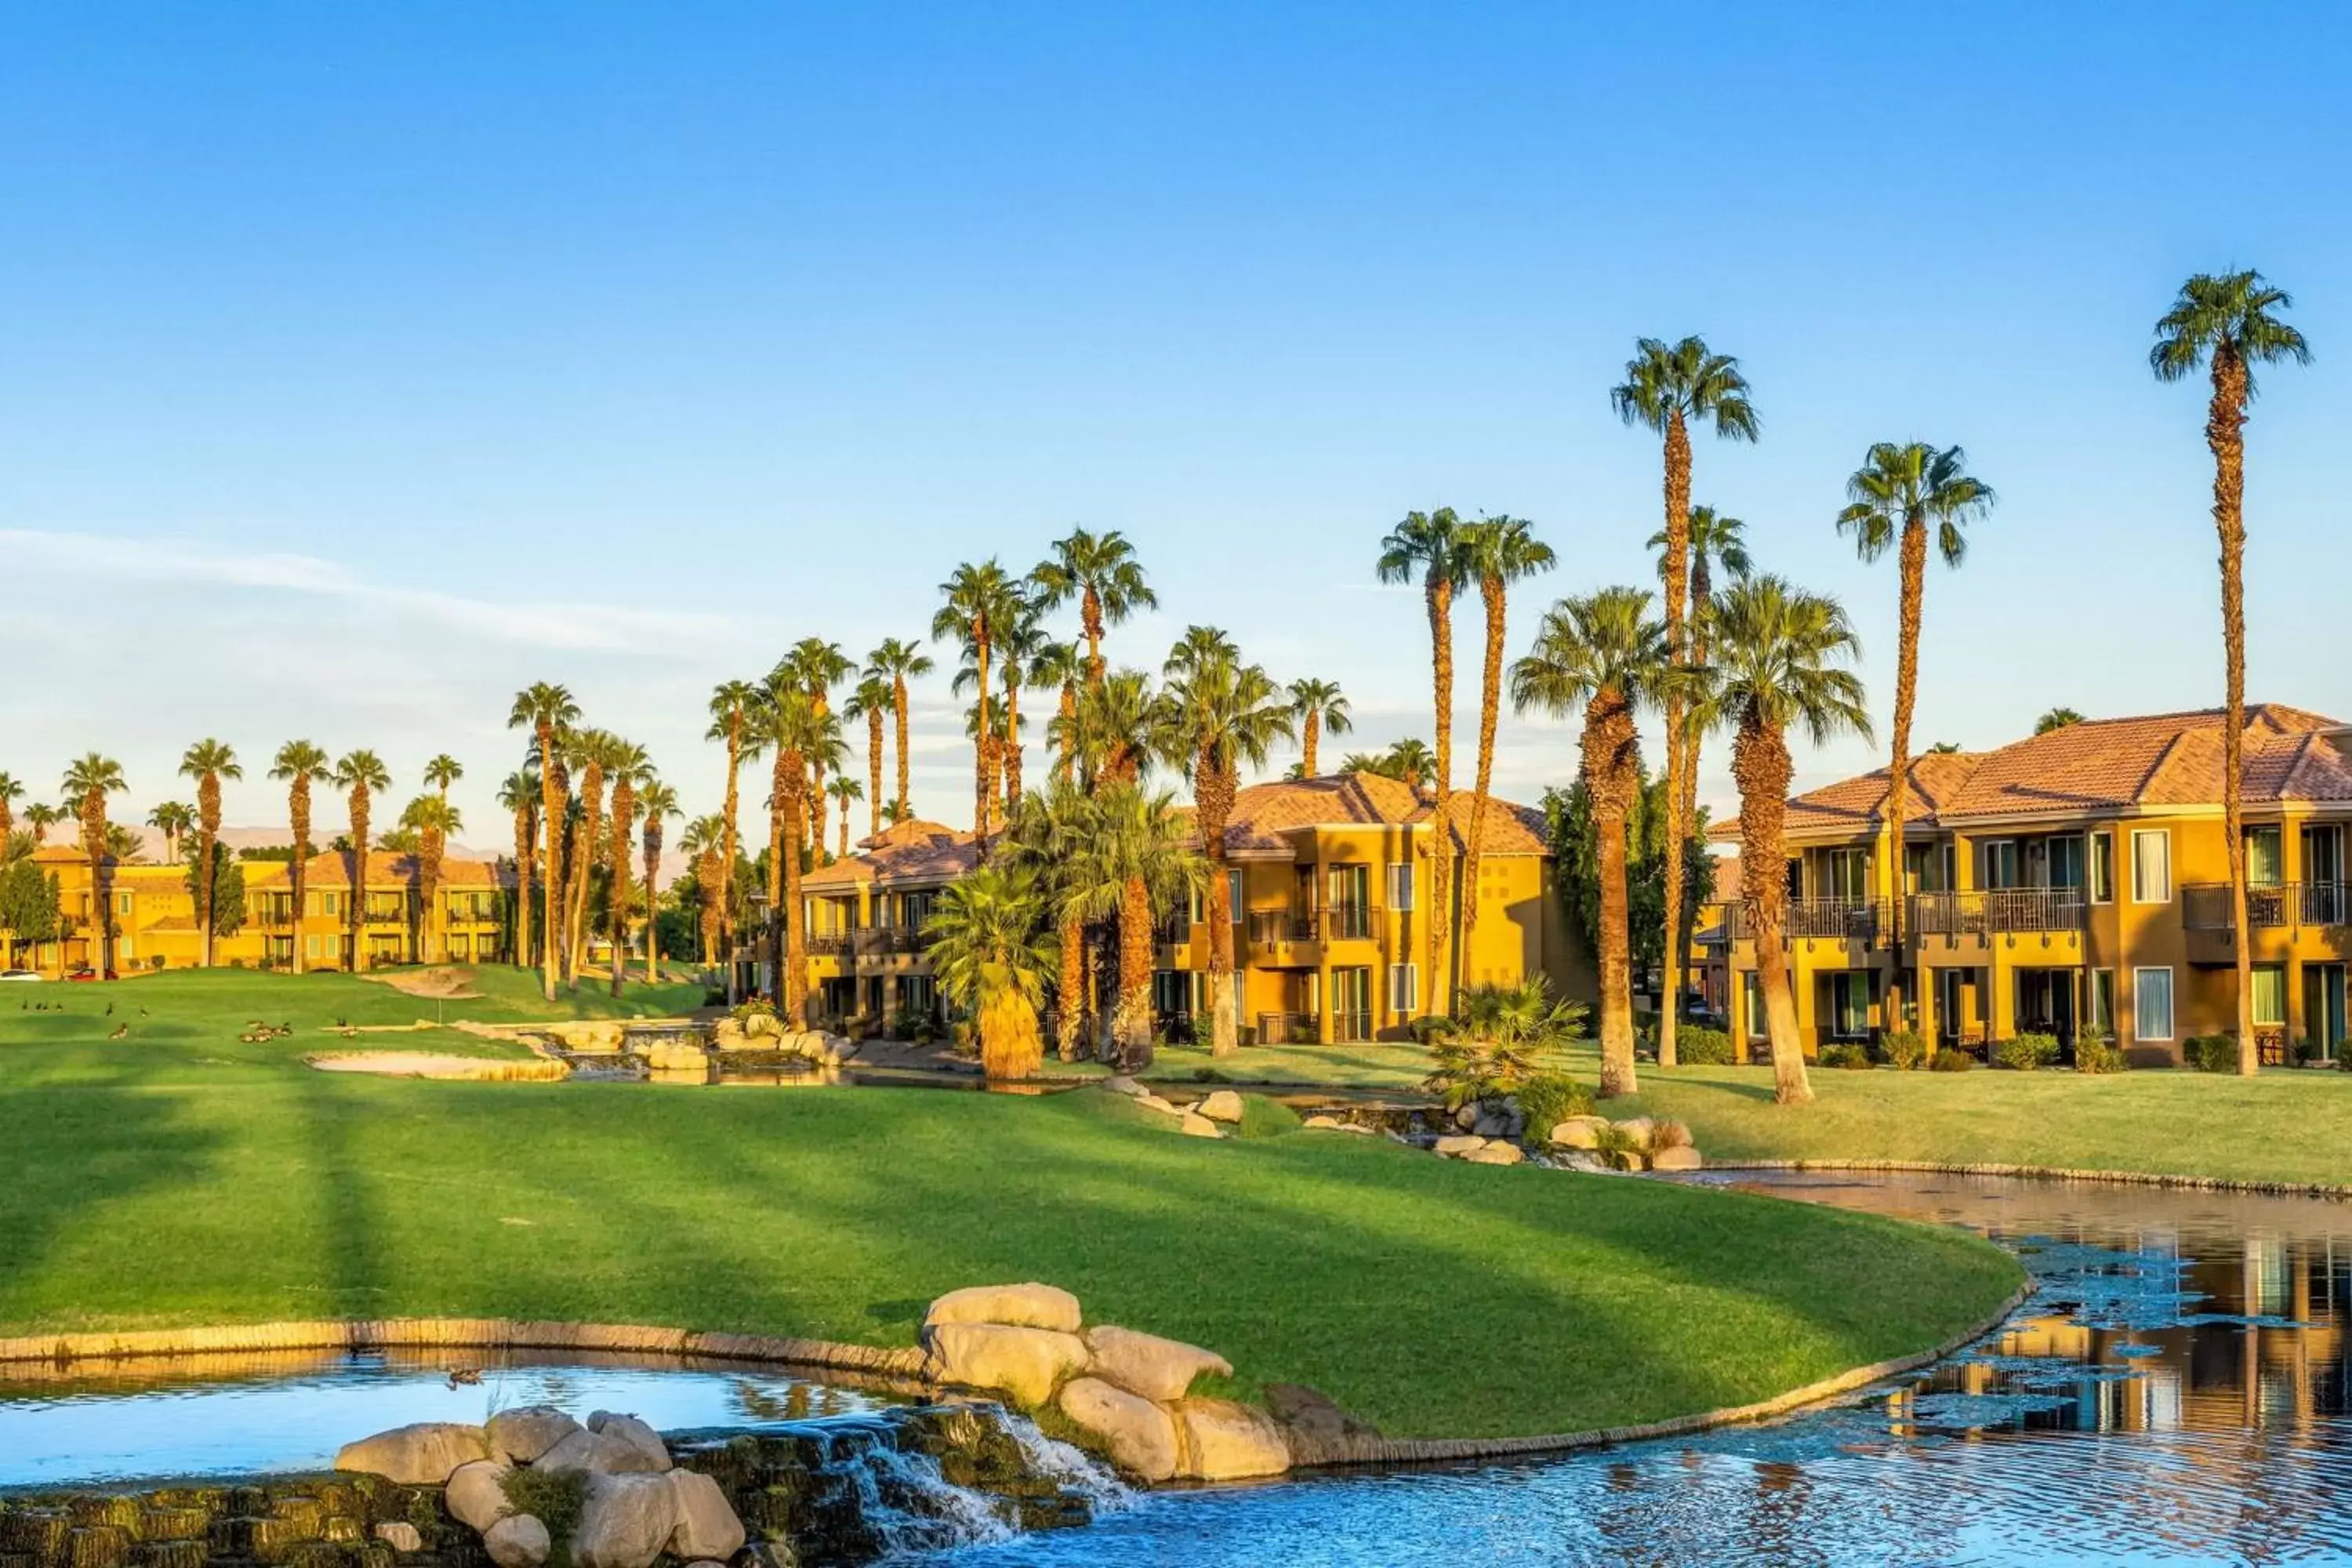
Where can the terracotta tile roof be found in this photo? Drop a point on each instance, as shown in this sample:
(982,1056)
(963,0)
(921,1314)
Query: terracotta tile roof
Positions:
(1264,813)
(1854,805)
(324,870)
(910,851)
(1511,830)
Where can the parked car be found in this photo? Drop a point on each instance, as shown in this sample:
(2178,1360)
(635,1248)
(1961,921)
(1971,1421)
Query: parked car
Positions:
(25,975)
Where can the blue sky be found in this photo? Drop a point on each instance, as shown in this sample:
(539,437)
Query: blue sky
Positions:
(360,366)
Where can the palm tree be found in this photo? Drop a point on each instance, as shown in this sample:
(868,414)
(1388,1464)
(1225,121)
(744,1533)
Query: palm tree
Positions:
(359,775)
(1133,863)
(1050,827)
(1115,730)
(442,772)
(1429,546)
(820,667)
(432,819)
(1669,389)
(1714,540)
(173,819)
(11,792)
(845,792)
(519,794)
(787,728)
(2056,719)
(1221,714)
(871,701)
(983,604)
(1896,494)
(658,801)
(89,782)
(898,663)
(1099,570)
(701,842)
(1497,552)
(730,707)
(546,710)
(42,816)
(1058,667)
(2228,323)
(587,750)
(1408,761)
(991,952)
(1779,654)
(207,762)
(629,769)
(296,764)
(1605,655)
(1316,706)
(1017,653)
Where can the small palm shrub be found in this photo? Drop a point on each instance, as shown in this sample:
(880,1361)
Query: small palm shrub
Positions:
(1703,1048)
(2210,1053)
(2098,1054)
(2026,1053)
(1498,1037)
(1905,1049)
(1951,1061)
(1853,1059)
(1548,1099)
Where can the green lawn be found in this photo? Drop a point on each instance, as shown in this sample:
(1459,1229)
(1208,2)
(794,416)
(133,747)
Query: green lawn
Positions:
(181,1177)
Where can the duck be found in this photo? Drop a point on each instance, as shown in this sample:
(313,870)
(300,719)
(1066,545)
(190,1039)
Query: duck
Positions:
(464,1376)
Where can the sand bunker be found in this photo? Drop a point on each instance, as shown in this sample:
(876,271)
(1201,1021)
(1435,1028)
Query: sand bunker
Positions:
(439,983)
(434,1064)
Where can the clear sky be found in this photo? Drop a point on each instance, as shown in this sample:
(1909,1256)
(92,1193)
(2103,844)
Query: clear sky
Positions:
(360,364)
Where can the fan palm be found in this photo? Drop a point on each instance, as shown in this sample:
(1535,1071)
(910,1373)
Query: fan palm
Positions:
(1134,862)
(11,792)
(629,771)
(359,775)
(982,605)
(1116,730)
(1408,761)
(208,762)
(296,764)
(1048,829)
(701,842)
(1318,707)
(2230,324)
(42,816)
(1604,655)
(1669,388)
(432,819)
(820,665)
(588,751)
(1100,571)
(87,782)
(845,792)
(1429,546)
(871,701)
(658,801)
(2056,719)
(730,707)
(989,947)
(898,662)
(545,710)
(1714,540)
(786,729)
(1496,552)
(518,793)
(173,819)
(1058,668)
(1779,658)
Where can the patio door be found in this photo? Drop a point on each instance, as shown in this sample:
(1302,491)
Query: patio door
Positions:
(1352,1003)
(2323,1008)
(2322,874)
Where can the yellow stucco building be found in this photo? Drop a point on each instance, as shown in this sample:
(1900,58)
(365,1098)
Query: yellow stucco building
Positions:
(2078,878)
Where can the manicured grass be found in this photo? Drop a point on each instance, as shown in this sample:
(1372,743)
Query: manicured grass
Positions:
(1362,1065)
(181,1180)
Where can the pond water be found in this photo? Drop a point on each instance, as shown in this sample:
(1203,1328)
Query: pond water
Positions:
(2175,1392)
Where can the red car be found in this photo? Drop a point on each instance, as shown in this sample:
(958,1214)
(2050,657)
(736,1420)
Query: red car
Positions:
(91,974)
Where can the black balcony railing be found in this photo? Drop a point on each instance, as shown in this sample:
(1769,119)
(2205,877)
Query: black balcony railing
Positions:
(1285,1029)
(829,945)
(1348,923)
(1992,909)
(2276,906)
(1268,927)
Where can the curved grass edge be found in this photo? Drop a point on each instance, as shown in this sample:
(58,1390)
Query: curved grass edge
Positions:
(2179,1182)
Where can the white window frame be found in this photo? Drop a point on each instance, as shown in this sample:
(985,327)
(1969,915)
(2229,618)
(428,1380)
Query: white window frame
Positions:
(1400,889)
(2096,841)
(1404,988)
(2253,997)
(2171,1000)
(2138,895)
(2016,863)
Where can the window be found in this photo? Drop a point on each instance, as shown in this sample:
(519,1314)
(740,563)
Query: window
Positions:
(122,904)
(1400,887)
(2270,995)
(2064,859)
(1929,867)
(2103,1001)
(2103,867)
(2152,879)
(1849,1004)
(1234,902)
(2264,866)
(2151,1002)
(1752,1003)
(310,947)
(1404,988)
(1848,873)
(2000,863)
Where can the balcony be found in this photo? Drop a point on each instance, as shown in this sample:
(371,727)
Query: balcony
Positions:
(876,940)
(830,944)
(1269,927)
(1836,920)
(1995,910)
(2277,906)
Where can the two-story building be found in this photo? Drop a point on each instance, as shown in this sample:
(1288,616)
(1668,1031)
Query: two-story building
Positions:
(2076,879)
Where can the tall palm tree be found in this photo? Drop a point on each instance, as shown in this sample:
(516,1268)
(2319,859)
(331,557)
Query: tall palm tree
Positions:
(296,764)
(1221,714)
(1780,658)
(173,819)
(1115,731)
(588,750)
(701,842)
(359,775)
(629,770)
(1100,571)
(2229,324)
(786,728)
(658,801)
(208,762)
(1133,864)
(1428,545)
(991,952)
(820,667)
(433,820)
(730,707)
(546,710)
(1049,829)
(845,792)
(11,792)
(1898,493)
(518,793)
(1024,639)
(1669,388)
(2056,719)
(1714,540)
(871,701)
(442,772)
(1318,707)
(87,782)
(898,662)
(1058,667)
(983,604)
(42,816)
(1496,552)
(1603,654)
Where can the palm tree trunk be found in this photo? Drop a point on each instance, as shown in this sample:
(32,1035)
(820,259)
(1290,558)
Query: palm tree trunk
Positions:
(583,855)
(734,767)
(873,773)
(898,711)
(1212,795)
(1310,732)
(298,811)
(1065,763)
(1131,1018)
(795,997)
(982,771)
(1761,768)
(101,880)
(1439,591)
(1491,598)
(1914,572)
(616,903)
(1611,778)
(1686,789)
(776,877)
(2225,433)
(550,811)
(1012,748)
(1675,569)
(526,843)
(843,854)
(1090,620)
(653,924)
(1070,1004)
(359,879)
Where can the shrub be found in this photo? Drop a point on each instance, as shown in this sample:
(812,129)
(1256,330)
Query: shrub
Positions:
(2098,1054)
(752,1007)
(1853,1059)
(2026,1053)
(2210,1053)
(2306,1052)
(915,1024)
(1703,1048)
(1264,1118)
(1548,1099)
(1951,1061)
(1905,1050)
(1615,1147)
(1669,1135)
(554,1498)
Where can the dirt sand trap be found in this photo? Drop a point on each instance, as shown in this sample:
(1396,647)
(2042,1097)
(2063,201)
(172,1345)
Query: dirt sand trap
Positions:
(440,981)
(433,1064)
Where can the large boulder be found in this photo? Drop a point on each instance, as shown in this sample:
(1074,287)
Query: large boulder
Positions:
(1224,1105)
(1024,1364)
(1120,1083)
(517,1540)
(400,1535)
(1639,1128)
(1322,1123)
(521,1434)
(677,1055)
(1454,1145)
(1495,1153)
(419,1455)
(707,1525)
(1681,1157)
(1148,1365)
(1316,1429)
(1196,1125)
(1151,1101)
(476,1493)
(1225,1441)
(1030,1306)
(636,1433)
(1140,1436)
(1578,1131)
(626,1521)
(598,1454)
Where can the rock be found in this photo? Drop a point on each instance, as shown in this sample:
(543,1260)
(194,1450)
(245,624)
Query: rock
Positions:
(418,1455)
(1315,1429)
(1578,1131)
(1639,1128)
(520,1436)
(625,1521)
(1492,1124)
(476,1493)
(636,1433)
(1196,1125)
(1456,1144)
(1224,1105)
(1148,1365)
(707,1525)
(1326,1123)
(1225,1441)
(1496,1153)
(1681,1157)
(677,1055)
(1578,1160)
(400,1535)
(1119,1083)
(1151,1101)
(1467,1117)
(517,1540)
(1141,1437)
(597,1454)
(1029,1306)
(1025,1364)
